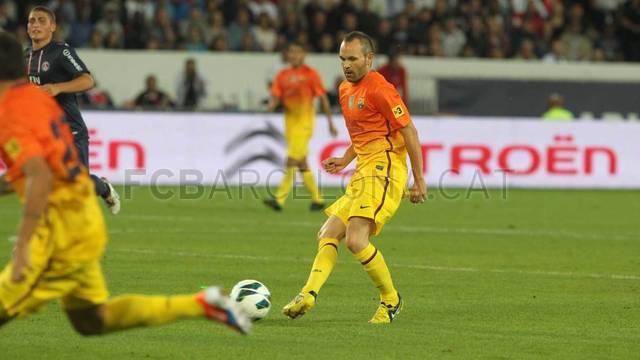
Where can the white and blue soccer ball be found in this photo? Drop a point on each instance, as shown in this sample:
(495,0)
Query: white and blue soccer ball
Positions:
(253,297)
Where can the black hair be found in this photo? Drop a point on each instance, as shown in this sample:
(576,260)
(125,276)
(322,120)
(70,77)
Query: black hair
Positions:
(365,40)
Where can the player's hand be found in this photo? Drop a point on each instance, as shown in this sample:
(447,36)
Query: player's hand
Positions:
(332,130)
(418,191)
(334,165)
(21,262)
(50,89)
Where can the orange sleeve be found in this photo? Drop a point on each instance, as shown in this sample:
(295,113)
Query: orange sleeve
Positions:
(318,89)
(276,86)
(389,103)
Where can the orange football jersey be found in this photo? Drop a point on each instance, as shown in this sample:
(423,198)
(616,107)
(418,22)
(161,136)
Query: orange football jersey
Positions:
(31,125)
(297,87)
(373,113)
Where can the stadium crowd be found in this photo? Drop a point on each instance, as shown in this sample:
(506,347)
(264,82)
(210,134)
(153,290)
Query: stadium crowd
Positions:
(550,30)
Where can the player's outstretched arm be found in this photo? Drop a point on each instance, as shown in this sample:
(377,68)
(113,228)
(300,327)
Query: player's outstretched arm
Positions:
(39,180)
(419,188)
(326,107)
(334,165)
(5,188)
(82,83)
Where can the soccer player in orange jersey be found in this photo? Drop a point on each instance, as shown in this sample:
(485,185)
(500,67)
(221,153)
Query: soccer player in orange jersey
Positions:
(62,233)
(296,87)
(382,134)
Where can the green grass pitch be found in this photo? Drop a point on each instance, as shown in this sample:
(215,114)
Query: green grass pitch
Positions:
(540,274)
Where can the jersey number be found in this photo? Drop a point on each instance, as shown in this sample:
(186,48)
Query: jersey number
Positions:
(73,168)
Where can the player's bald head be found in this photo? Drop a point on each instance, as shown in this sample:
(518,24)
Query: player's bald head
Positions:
(11,58)
(365,41)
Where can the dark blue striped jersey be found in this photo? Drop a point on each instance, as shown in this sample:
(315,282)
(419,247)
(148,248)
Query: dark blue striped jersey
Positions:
(55,63)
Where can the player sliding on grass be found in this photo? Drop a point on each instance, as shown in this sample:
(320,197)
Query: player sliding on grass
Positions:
(381,133)
(57,69)
(62,234)
(296,87)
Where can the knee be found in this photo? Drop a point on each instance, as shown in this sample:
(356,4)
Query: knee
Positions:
(357,236)
(356,244)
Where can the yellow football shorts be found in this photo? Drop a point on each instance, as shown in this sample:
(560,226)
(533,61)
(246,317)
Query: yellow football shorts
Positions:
(374,192)
(298,132)
(65,256)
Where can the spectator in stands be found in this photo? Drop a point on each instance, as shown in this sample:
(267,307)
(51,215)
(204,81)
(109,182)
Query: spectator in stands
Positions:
(327,45)
(110,23)
(151,98)
(146,8)
(96,98)
(396,74)
(578,45)
(248,43)
(610,44)
(163,29)
(191,87)
(136,32)
(219,43)
(238,28)
(264,33)
(630,23)
(195,40)
(477,38)
(385,37)
(317,28)
(527,51)
(557,54)
(556,110)
(7,19)
(291,26)
(195,20)
(453,39)
(259,7)
(97,40)
(82,27)
(488,25)
(114,41)
(216,27)
(368,20)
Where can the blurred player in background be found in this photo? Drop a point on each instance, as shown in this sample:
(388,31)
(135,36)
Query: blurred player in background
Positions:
(382,133)
(62,234)
(296,87)
(58,71)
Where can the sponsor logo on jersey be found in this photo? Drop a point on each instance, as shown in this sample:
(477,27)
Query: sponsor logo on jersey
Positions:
(71,59)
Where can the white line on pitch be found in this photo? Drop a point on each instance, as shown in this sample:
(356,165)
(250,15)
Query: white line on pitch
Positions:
(420,267)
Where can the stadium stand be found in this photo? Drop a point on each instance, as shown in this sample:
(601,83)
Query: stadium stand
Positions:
(549,30)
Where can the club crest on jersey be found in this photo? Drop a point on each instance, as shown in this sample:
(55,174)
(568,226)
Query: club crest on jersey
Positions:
(397,111)
(45,66)
(361,103)
(12,148)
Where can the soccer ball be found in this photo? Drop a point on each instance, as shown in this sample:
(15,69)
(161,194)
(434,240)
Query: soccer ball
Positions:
(253,297)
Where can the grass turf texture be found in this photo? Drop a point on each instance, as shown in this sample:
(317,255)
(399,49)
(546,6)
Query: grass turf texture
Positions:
(540,274)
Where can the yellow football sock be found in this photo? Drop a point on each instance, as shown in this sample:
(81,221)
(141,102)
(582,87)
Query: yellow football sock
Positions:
(322,265)
(312,187)
(376,267)
(286,184)
(127,311)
